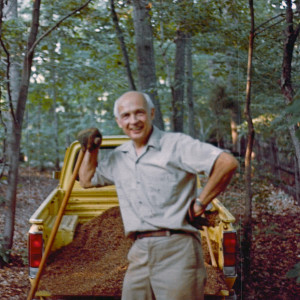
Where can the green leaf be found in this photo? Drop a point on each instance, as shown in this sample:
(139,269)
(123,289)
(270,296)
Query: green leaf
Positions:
(294,272)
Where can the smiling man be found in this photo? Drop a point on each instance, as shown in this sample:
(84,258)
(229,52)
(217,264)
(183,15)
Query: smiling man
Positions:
(155,175)
(134,113)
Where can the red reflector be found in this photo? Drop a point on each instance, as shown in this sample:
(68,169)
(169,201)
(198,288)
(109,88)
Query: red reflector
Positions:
(229,259)
(35,249)
(35,261)
(229,246)
(229,242)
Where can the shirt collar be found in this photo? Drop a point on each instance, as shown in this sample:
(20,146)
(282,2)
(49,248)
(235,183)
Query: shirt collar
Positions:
(154,141)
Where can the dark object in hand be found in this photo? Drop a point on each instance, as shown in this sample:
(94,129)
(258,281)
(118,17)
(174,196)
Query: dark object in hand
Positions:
(209,218)
(90,139)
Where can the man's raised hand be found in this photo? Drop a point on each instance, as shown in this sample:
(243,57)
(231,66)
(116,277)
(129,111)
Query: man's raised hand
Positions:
(90,139)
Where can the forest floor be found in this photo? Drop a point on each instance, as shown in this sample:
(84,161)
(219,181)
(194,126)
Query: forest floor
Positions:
(276,236)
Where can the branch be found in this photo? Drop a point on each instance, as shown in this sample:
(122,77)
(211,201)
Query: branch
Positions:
(264,23)
(297,30)
(8,80)
(268,27)
(3,159)
(1,16)
(57,25)
(123,45)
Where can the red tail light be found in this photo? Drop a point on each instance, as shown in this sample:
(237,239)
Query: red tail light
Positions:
(35,249)
(229,246)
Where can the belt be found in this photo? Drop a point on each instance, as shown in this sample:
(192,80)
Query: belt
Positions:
(157,233)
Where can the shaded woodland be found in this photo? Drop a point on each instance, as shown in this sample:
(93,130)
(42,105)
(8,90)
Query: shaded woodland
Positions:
(225,72)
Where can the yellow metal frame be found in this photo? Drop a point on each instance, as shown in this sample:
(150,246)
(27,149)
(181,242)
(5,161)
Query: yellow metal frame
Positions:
(73,150)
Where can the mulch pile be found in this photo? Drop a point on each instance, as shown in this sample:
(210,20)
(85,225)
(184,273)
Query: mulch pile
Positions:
(96,261)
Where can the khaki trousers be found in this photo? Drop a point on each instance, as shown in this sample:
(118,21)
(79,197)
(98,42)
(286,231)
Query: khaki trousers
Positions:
(165,268)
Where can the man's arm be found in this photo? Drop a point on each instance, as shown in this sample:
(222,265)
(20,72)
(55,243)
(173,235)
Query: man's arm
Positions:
(87,168)
(90,140)
(220,176)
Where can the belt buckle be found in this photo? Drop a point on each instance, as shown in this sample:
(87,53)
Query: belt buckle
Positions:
(168,232)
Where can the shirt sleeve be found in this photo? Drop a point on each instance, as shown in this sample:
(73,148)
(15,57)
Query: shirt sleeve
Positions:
(196,156)
(103,174)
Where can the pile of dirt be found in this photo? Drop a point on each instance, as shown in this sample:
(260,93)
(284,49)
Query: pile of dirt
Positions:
(96,261)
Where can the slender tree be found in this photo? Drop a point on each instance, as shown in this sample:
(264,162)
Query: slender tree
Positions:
(16,130)
(179,79)
(123,45)
(178,86)
(53,93)
(291,34)
(247,239)
(145,55)
(189,87)
(17,114)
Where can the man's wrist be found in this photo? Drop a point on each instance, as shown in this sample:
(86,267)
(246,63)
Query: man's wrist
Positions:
(199,203)
(198,208)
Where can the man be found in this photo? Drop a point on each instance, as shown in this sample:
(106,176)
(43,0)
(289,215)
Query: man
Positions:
(155,175)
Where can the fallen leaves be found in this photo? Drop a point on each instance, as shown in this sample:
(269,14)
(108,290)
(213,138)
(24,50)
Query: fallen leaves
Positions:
(276,242)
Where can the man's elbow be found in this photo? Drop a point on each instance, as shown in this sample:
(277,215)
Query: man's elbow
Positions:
(234,163)
(230,162)
(85,184)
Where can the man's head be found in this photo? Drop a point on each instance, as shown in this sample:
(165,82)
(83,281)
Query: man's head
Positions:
(147,98)
(134,112)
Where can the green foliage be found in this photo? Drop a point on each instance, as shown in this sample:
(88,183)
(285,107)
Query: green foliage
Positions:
(293,109)
(79,69)
(4,254)
(2,198)
(23,252)
(294,272)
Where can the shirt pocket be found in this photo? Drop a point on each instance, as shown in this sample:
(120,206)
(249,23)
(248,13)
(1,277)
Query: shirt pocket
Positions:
(163,190)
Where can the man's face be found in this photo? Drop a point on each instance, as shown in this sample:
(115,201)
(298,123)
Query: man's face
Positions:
(134,118)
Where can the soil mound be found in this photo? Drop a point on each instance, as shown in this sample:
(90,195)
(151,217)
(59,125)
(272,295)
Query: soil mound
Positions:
(96,261)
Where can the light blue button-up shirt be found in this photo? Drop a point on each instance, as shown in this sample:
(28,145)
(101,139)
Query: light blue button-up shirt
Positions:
(156,188)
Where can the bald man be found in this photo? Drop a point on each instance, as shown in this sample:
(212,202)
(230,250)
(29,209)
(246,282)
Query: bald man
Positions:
(155,175)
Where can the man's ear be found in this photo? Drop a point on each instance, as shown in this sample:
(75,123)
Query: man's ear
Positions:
(118,122)
(152,114)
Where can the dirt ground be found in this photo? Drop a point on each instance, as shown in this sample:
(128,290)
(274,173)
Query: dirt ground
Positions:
(276,241)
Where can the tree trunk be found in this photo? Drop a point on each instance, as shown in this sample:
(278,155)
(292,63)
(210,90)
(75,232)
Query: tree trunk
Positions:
(247,239)
(287,90)
(234,122)
(189,90)
(10,204)
(234,135)
(13,84)
(123,46)
(55,117)
(178,86)
(2,151)
(297,181)
(11,158)
(145,55)
(38,141)
(17,112)
(15,138)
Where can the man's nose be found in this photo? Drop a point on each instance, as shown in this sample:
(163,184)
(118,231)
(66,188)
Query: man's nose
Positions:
(133,118)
